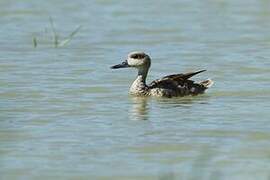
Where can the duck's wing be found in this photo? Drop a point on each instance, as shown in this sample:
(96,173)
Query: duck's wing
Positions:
(174,80)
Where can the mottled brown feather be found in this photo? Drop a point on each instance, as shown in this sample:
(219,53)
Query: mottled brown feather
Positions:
(178,82)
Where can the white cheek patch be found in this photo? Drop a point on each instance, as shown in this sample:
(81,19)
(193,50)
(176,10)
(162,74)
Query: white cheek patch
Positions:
(134,62)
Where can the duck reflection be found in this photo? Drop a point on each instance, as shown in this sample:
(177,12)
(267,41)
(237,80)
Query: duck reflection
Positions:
(139,108)
(182,102)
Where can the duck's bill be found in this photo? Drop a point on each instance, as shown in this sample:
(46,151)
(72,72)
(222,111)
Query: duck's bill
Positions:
(122,65)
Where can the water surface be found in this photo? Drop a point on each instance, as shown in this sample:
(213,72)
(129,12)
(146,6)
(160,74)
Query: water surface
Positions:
(66,115)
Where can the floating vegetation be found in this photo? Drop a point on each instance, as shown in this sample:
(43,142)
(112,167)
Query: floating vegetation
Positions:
(55,36)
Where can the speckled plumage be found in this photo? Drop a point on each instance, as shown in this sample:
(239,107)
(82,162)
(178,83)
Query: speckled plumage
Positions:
(169,86)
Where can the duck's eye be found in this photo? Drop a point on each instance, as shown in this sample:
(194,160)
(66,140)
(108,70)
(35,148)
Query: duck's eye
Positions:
(137,56)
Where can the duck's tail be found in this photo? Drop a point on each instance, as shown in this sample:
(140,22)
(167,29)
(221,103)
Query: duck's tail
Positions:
(207,83)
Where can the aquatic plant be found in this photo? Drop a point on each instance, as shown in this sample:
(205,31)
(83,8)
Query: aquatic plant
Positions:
(55,36)
(70,37)
(35,42)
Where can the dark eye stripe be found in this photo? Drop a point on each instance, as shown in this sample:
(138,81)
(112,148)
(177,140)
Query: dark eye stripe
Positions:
(137,56)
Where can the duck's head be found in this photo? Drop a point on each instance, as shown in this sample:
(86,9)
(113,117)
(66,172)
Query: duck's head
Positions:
(139,60)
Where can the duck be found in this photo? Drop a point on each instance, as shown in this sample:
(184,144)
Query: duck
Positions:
(175,85)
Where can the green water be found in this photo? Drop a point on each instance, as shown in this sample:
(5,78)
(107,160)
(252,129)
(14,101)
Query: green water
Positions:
(65,115)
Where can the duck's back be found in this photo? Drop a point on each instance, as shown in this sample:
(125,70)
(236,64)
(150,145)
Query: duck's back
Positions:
(178,85)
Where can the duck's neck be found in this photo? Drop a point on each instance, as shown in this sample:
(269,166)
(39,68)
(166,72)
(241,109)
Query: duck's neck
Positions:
(139,85)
